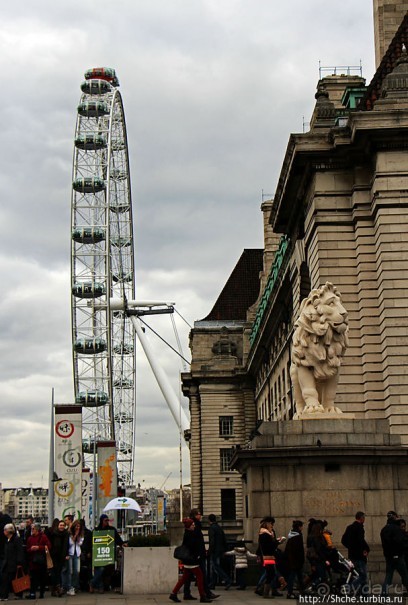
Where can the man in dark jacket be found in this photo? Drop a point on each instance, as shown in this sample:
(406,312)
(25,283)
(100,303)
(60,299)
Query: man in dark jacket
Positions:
(394,542)
(13,557)
(4,520)
(354,540)
(217,547)
(103,573)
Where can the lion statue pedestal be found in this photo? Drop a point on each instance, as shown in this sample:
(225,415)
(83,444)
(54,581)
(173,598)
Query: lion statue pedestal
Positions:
(319,343)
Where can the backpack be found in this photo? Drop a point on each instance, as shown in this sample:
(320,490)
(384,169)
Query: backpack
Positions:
(346,539)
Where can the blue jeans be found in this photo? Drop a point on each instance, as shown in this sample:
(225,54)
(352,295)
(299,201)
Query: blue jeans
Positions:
(217,571)
(359,583)
(65,577)
(97,580)
(394,564)
(74,564)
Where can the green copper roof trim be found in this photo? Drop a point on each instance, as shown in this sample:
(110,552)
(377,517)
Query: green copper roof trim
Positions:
(280,255)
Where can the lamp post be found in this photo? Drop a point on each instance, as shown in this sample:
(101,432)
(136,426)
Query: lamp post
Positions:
(51,473)
(31,495)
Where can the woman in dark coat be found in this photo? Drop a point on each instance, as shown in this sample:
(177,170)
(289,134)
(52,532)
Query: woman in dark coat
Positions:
(59,554)
(317,552)
(13,557)
(295,557)
(191,564)
(267,549)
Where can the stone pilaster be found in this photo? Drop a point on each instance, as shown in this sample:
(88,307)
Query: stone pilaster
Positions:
(390,209)
(388,15)
(195,448)
(330,241)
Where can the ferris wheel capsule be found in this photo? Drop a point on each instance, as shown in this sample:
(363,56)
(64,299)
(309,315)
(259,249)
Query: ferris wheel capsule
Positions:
(96,87)
(88,235)
(90,141)
(90,184)
(93,109)
(102,268)
(103,73)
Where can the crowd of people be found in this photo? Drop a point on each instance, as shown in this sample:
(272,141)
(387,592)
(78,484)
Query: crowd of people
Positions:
(307,564)
(57,557)
(60,558)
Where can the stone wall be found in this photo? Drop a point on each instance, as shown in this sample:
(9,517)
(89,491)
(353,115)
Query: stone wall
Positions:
(324,469)
(149,570)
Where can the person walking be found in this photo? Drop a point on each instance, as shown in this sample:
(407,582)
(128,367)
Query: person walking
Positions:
(241,556)
(295,558)
(59,553)
(196,516)
(395,543)
(4,520)
(13,558)
(37,563)
(354,540)
(216,549)
(316,552)
(267,548)
(191,564)
(403,525)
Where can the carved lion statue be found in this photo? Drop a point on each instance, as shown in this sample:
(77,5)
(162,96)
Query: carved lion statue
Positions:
(319,342)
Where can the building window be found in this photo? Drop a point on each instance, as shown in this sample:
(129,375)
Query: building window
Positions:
(225,459)
(226,426)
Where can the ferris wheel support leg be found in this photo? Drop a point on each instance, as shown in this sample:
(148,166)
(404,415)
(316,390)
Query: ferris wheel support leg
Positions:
(171,398)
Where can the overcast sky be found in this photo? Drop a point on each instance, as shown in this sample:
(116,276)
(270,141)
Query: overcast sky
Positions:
(212,89)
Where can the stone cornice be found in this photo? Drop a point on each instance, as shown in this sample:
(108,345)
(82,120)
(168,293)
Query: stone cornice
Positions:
(305,456)
(384,128)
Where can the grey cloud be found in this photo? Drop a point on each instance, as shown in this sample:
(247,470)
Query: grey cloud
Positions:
(211,92)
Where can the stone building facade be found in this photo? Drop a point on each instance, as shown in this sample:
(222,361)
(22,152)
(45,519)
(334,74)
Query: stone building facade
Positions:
(221,393)
(340,214)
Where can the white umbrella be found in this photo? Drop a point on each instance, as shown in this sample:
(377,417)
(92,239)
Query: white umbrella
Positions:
(122,503)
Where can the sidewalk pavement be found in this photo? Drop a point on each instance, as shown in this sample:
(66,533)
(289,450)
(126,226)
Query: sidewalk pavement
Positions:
(232,596)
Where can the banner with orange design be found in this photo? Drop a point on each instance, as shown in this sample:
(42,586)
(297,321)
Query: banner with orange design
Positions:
(107,476)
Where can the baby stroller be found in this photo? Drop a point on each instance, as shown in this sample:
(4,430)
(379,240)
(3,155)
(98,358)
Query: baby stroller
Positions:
(342,575)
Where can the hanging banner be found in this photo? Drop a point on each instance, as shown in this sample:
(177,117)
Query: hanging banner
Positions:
(107,476)
(160,513)
(86,494)
(68,461)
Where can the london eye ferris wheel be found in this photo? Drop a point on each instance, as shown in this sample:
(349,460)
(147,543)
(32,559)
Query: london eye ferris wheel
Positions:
(102,268)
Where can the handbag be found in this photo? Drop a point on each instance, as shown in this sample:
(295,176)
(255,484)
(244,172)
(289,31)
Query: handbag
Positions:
(39,558)
(48,558)
(269,560)
(21,582)
(182,553)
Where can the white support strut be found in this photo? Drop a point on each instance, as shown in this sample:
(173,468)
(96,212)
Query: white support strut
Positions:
(173,402)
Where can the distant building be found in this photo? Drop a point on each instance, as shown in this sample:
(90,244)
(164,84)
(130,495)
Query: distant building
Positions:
(221,393)
(23,501)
